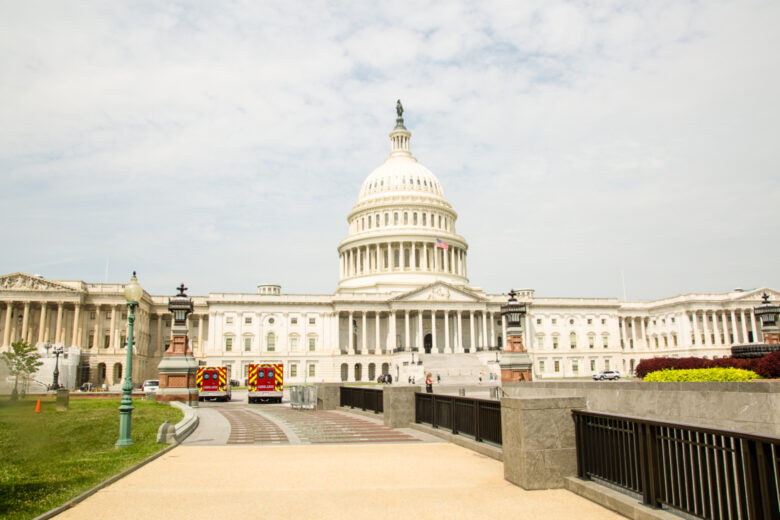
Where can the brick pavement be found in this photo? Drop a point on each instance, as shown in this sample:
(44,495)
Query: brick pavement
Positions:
(249,428)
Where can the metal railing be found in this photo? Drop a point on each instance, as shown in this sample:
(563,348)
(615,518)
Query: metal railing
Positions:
(363,398)
(480,418)
(705,472)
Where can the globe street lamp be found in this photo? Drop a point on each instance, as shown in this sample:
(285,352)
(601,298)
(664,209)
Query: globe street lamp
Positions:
(133,294)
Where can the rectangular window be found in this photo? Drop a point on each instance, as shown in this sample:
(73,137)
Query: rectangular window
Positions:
(312,321)
(106,341)
(541,366)
(293,370)
(592,365)
(92,315)
(228,344)
(245,369)
(293,321)
(603,321)
(590,321)
(591,342)
(229,320)
(540,342)
(605,340)
(606,364)
(247,344)
(122,342)
(248,320)
(555,343)
(108,315)
(656,342)
(538,321)
(554,321)
(124,315)
(312,370)
(557,366)
(91,341)
(666,341)
(312,344)
(293,343)
(575,366)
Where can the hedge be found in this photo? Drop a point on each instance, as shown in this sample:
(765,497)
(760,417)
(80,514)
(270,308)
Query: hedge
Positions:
(646,366)
(769,366)
(701,374)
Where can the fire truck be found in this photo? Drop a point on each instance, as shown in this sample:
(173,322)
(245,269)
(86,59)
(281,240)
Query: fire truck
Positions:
(265,382)
(213,383)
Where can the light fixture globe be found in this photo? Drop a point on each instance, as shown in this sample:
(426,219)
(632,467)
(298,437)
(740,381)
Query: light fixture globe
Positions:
(133,290)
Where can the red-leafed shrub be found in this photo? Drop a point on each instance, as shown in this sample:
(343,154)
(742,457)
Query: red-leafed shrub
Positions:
(769,366)
(647,366)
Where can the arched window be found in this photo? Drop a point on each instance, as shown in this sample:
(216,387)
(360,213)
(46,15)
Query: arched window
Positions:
(414,218)
(293,343)
(377,220)
(270,341)
(406,218)
(439,221)
(573,340)
(387,219)
(433,220)
(424,223)
(395,219)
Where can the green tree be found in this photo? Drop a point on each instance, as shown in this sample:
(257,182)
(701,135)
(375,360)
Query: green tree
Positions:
(22,360)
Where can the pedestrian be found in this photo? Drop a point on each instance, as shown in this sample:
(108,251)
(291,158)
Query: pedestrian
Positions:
(428,383)
(480,378)
(410,380)
(438,378)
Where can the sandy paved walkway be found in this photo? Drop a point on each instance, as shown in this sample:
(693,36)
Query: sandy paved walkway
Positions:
(398,481)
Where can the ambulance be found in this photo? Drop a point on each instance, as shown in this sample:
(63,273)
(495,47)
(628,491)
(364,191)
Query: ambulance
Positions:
(265,382)
(213,383)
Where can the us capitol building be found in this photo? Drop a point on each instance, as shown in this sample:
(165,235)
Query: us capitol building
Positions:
(404,305)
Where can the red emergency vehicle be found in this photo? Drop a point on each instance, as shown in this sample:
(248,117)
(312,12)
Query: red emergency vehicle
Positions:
(265,382)
(213,383)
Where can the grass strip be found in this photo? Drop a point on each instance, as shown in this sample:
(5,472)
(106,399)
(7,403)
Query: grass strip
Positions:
(50,457)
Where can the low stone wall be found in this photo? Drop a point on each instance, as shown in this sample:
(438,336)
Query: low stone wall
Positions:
(748,407)
(170,434)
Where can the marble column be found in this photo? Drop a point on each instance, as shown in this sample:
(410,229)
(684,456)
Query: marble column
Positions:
(472,345)
(744,326)
(159,347)
(420,336)
(484,329)
(407,344)
(9,308)
(503,331)
(76,338)
(633,332)
(42,324)
(696,336)
(201,317)
(24,333)
(58,328)
(377,347)
(112,328)
(364,334)
(392,326)
(460,331)
(644,332)
(447,347)
(351,334)
(434,342)
(753,326)
(724,327)
(493,341)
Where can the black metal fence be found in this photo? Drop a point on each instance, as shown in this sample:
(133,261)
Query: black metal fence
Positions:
(705,472)
(363,398)
(480,418)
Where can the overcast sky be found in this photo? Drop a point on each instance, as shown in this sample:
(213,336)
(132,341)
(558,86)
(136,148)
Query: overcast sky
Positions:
(223,144)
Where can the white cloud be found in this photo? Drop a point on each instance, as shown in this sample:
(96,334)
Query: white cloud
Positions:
(616,136)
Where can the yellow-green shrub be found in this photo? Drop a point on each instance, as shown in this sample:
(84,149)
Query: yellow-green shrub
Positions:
(701,374)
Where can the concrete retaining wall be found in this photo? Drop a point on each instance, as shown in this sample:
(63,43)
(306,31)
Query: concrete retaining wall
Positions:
(750,407)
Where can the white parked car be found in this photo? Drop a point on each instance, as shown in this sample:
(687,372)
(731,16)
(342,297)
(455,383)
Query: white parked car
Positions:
(613,375)
(150,385)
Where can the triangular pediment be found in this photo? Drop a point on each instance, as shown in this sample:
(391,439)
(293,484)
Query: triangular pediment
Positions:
(756,294)
(27,282)
(440,292)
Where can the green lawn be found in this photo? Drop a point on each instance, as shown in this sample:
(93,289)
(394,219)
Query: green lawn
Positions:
(50,457)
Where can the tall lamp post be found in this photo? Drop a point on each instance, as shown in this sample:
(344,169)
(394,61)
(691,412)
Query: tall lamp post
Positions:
(133,294)
(58,350)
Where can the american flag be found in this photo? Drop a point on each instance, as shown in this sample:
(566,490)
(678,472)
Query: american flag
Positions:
(443,245)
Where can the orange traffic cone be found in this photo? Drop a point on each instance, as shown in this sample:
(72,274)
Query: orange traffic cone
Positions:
(38,406)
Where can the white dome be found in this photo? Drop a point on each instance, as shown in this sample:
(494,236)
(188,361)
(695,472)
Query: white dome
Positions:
(400,174)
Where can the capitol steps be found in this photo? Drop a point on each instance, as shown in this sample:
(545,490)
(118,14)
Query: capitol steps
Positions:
(455,369)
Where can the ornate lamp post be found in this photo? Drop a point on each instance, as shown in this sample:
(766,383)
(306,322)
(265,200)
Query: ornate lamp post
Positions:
(178,366)
(58,350)
(133,294)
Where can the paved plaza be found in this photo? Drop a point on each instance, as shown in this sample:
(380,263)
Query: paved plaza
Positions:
(270,461)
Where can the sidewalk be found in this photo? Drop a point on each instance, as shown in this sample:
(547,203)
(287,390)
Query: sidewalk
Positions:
(396,481)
